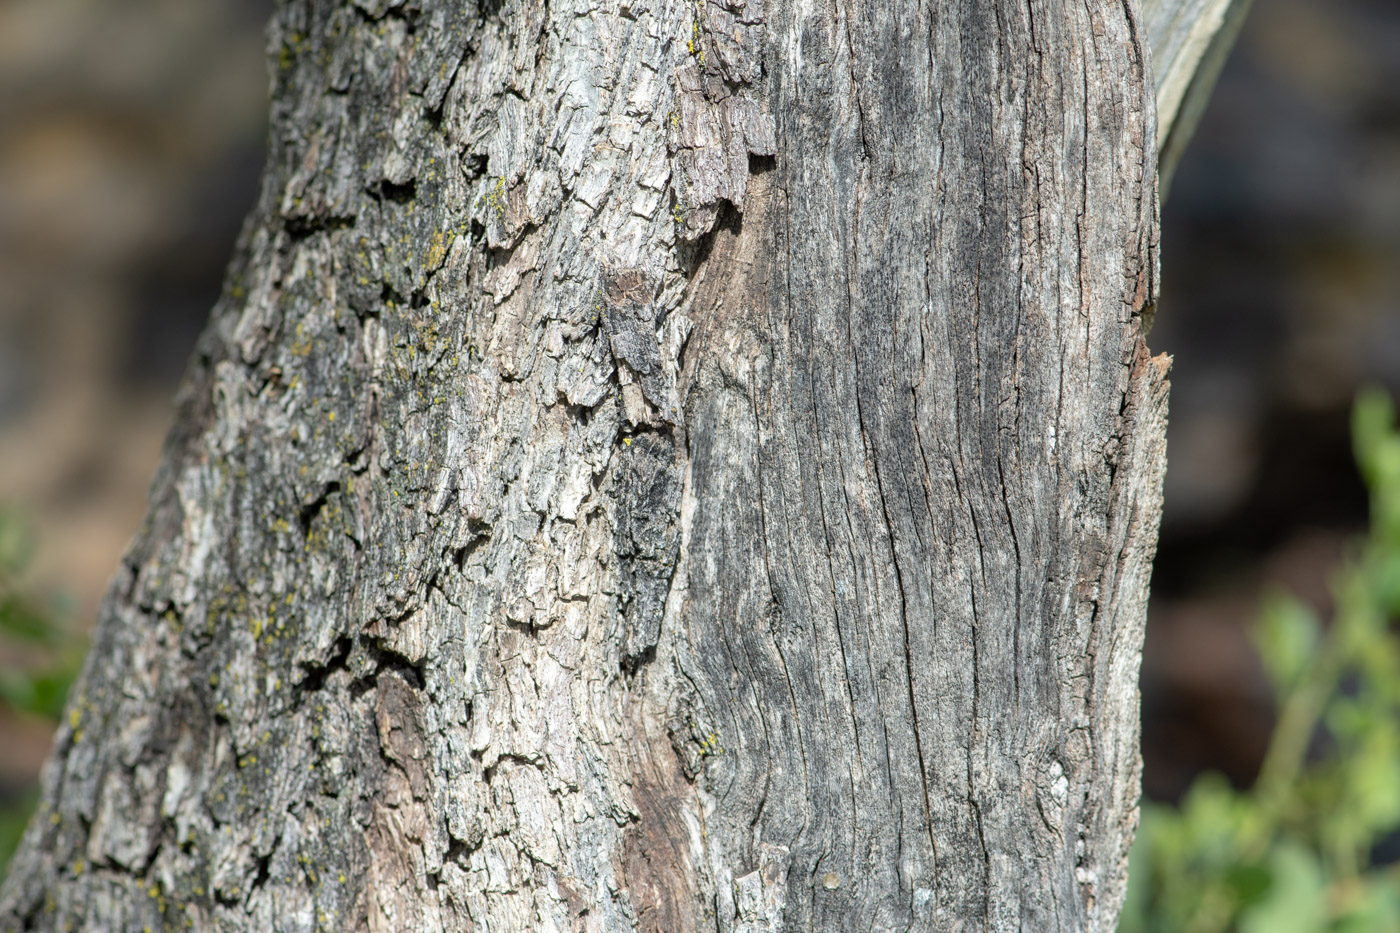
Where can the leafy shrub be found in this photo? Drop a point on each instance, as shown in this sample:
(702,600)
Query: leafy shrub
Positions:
(1297,853)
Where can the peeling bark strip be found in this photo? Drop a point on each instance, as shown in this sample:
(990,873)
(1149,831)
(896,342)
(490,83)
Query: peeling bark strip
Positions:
(677,465)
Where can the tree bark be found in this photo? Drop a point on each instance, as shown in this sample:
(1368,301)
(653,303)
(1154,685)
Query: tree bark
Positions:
(662,466)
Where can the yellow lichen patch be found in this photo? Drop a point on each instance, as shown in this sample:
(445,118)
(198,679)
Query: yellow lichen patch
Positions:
(496,198)
(710,746)
(437,249)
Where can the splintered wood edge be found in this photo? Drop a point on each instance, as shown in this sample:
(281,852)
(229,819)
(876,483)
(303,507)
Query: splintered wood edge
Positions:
(1189,42)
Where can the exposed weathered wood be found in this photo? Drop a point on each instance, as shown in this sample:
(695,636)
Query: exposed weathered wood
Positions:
(1189,42)
(664,466)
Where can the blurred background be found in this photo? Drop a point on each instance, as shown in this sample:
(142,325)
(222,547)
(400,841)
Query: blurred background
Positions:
(131,139)
(1280,298)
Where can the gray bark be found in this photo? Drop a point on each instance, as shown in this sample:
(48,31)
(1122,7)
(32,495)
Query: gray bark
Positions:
(662,466)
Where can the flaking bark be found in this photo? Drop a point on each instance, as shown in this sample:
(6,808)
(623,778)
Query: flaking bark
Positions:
(661,466)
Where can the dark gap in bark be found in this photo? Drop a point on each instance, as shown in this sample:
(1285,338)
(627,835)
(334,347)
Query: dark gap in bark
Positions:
(458,852)
(308,512)
(476,229)
(489,9)
(581,414)
(317,674)
(497,256)
(388,296)
(631,665)
(165,832)
(264,865)
(529,628)
(488,774)
(399,194)
(433,115)
(730,218)
(758,164)
(384,660)
(694,255)
(301,226)
(474,167)
(481,533)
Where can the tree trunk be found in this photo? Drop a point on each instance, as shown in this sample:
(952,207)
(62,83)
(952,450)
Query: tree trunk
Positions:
(668,466)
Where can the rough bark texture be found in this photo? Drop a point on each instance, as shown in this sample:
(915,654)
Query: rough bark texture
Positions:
(659,466)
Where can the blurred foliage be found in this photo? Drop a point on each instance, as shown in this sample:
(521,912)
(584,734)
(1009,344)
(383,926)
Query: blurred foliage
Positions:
(1303,850)
(39,659)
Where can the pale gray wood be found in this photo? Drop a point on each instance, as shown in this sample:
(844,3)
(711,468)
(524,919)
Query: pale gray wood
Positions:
(1189,42)
(658,466)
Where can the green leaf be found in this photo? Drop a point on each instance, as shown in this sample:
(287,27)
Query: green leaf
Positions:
(38,693)
(1287,635)
(1372,432)
(1296,901)
(1250,883)
(1383,574)
(1372,784)
(1298,860)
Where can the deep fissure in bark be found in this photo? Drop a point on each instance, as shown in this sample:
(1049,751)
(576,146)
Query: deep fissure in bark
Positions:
(679,466)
